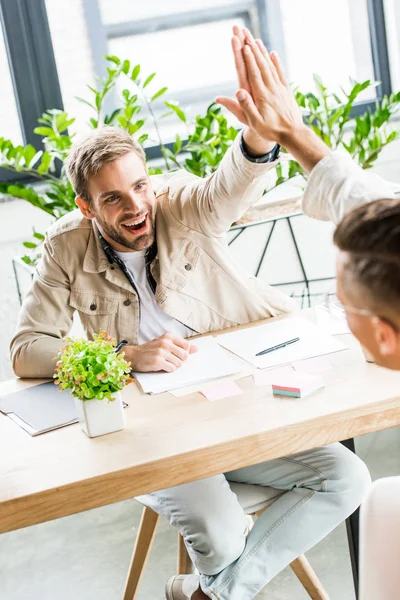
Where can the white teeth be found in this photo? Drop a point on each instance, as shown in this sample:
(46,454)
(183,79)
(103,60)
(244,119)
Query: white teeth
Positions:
(135,222)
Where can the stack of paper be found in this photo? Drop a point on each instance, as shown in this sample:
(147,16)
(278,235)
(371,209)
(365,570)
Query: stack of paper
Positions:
(297,385)
(209,362)
(246,343)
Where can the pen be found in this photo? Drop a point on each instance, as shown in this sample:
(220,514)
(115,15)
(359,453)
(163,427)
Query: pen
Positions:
(121,345)
(267,350)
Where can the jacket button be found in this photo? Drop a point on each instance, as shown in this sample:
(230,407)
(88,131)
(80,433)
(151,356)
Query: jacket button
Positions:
(93,306)
(188,267)
(127,302)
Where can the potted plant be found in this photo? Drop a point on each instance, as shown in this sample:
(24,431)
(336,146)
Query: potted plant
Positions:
(95,373)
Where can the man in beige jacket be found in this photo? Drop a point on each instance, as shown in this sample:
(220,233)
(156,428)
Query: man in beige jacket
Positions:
(151,265)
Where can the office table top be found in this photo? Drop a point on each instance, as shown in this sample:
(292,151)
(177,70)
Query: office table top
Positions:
(171,440)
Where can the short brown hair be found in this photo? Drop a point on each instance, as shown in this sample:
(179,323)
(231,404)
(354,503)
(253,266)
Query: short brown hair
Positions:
(90,153)
(370,234)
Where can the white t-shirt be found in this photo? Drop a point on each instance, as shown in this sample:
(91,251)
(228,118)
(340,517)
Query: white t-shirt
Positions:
(153,321)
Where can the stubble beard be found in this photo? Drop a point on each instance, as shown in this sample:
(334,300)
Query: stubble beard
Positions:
(116,234)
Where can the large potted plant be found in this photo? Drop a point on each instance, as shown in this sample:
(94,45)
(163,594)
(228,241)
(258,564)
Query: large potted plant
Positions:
(95,373)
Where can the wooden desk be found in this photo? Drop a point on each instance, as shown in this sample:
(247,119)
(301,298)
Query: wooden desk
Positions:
(169,441)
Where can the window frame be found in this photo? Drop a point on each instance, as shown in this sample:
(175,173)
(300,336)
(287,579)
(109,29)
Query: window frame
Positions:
(32,66)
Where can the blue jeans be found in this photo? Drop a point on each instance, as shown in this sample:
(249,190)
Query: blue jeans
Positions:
(324,486)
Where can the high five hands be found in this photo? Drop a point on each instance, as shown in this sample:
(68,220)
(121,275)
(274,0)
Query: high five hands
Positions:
(266,105)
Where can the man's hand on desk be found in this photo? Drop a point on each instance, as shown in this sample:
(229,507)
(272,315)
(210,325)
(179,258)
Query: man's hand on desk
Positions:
(265,103)
(166,353)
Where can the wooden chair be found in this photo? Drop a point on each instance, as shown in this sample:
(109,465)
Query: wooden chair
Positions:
(254,500)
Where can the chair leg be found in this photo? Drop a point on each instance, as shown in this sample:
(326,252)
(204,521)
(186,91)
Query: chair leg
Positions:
(185,566)
(141,551)
(308,578)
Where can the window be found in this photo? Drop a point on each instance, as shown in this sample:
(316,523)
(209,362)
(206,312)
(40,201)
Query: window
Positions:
(9,120)
(392,14)
(193,78)
(330,38)
(56,49)
(116,11)
(73,55)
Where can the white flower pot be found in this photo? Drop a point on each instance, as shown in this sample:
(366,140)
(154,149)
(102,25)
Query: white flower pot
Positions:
(98,417)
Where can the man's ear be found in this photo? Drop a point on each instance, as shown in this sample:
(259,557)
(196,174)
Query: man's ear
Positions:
(386,337)
(84,207)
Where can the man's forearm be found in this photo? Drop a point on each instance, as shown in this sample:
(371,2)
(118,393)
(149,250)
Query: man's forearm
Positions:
(305,147)
(34,356)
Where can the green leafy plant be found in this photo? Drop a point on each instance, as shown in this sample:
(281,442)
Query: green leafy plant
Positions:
(92,369)
(208,137)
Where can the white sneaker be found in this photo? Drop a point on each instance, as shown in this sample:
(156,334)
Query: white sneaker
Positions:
(182,587)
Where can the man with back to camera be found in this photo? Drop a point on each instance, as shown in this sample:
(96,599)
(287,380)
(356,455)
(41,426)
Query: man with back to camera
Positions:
(107,266)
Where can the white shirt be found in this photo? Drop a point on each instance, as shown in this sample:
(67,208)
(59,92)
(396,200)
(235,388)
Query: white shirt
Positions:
(153,321)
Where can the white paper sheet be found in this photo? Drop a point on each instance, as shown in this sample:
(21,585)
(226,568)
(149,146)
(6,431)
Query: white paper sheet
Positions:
(247,342)
(197,387)
(332,321)
(209,362)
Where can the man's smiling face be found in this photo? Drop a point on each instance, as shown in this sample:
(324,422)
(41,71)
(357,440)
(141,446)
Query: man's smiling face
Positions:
(123,203)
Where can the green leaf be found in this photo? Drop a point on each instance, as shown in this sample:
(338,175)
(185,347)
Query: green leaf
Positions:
(143,138)
(149,79)
(93,122)
(158,94)
(134,127)
(177,144)
(34,160)
(113,59)
(27,260)
(45,163)
(84,101)
(30,245)
(122,121)
(46,131)
(38,236)
(177,110)
(98,101)
(29,154)
(126,66)
(135,72)
(108,119)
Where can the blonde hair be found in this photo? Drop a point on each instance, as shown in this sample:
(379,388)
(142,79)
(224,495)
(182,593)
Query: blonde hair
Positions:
(91,152)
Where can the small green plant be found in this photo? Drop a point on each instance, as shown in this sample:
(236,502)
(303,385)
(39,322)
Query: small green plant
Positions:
(92,369)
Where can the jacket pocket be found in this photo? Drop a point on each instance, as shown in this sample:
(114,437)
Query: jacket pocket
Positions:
(96,311)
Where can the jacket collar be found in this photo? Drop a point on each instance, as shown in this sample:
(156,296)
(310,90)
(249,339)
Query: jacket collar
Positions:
(99,254)
(95,260)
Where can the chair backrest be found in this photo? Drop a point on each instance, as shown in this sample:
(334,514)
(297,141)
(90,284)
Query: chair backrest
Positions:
(380,541)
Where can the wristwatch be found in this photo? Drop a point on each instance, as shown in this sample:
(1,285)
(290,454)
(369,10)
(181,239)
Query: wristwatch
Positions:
(271,156)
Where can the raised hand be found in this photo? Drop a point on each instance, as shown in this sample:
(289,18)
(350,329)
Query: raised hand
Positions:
(266,104)
(265,101)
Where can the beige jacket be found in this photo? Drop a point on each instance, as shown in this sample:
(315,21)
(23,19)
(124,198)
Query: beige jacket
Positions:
(198,282)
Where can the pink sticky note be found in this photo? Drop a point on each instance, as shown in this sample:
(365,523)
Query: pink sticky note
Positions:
(222,390)
(268,377)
